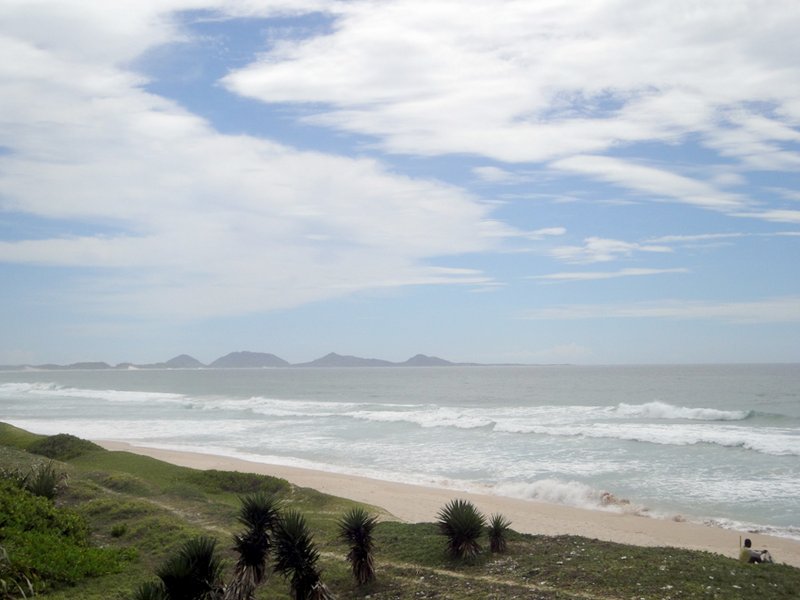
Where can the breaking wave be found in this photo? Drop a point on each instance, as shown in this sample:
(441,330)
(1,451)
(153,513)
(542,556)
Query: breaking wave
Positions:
(662,410)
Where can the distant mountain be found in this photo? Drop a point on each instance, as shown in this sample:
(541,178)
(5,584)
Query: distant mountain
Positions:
(88,366)
(421,360)
(183,361)
(337,360)
(248,360)
(254,360)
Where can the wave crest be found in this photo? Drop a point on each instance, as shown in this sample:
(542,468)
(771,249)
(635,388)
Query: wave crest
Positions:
(663,410)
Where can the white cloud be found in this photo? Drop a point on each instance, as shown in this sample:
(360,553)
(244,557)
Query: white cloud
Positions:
(195,222)
(596,249)
(600,275)
(773,215)
(699,237)
(497,175)
(771,310)
(531,81)
(652,181)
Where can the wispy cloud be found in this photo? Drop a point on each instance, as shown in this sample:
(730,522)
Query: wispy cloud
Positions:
(595,249)
(774,215)
(773,310)
(600,275)
(656,183)
(694,238)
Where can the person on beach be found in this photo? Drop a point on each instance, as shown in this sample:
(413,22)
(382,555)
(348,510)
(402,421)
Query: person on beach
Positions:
(750,555)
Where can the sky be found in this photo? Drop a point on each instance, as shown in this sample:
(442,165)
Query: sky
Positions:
(524,181)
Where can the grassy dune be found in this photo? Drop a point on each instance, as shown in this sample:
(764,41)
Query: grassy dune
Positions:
(140,510)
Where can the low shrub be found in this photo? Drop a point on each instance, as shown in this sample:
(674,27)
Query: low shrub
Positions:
(214,481)
(49,546)
(63,447)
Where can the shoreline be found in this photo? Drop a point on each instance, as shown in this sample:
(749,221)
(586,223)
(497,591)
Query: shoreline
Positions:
(416,503)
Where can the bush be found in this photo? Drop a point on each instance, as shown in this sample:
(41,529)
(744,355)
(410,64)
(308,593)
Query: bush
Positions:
(63,447)
(462,524)
(47,545)
(235,482)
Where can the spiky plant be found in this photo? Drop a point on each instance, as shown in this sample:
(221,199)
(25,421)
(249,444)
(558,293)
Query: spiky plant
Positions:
(259,514)
(44,480)
(355,528)
(13,584)
(150,590)
(461,523)
(497,529)
(296,557)
(194,573)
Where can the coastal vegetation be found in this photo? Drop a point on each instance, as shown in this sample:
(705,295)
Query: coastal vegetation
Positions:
(116,525)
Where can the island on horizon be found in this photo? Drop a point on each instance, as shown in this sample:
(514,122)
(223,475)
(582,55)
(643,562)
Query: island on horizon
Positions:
(244,359)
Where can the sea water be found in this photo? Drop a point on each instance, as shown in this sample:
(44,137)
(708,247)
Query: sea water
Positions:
(716,444)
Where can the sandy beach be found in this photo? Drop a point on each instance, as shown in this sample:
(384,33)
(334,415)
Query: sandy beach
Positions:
(412,503)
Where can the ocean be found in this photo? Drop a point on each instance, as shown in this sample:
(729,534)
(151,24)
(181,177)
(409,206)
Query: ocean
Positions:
(713,444)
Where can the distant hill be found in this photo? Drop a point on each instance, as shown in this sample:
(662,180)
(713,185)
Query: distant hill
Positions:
(337,360)
(254,360)
(421,360)
(183,361)
(248,360)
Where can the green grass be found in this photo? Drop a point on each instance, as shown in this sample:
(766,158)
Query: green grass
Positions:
(143,510)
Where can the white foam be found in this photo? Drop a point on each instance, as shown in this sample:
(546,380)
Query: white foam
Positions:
(662,410)
(569,493)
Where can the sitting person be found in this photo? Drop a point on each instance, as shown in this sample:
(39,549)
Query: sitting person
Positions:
(750,555)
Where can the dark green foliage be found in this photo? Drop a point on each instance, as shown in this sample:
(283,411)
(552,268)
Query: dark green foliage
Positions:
(356,529)
(194,573)
(63,447)
(12,583)
(461,523)
(49,546)
(45,481)
(150,590)
(259,515)
(497,529)
(296,556)
(238,483)
(40,479)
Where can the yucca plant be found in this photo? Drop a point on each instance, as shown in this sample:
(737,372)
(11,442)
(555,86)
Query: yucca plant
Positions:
(461,523)
(296,557)
(150,590)
(44,480)
(356,528)
(194,573)
(259,514)
(497,529)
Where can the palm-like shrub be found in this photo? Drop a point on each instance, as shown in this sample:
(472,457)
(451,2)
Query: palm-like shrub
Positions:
(259,514)
(498,528)
(194,573)
(150,590)
(461,523)
(355,528)
(296,557)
